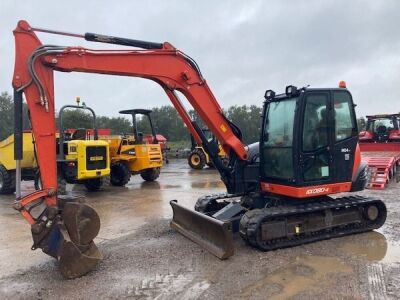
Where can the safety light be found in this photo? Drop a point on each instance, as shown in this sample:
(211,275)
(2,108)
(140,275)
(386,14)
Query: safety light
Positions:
(291,90)
(342,84)
(78,100)
(269,94)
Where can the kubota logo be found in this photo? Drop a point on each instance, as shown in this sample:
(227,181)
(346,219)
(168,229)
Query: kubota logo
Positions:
(317,191)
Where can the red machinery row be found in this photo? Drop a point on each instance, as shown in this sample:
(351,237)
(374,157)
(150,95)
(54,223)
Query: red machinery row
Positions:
(380,148)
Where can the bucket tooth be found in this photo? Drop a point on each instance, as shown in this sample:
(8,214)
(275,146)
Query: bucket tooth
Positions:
(213,235)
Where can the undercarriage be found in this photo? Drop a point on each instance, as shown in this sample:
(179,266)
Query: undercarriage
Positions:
(280,223)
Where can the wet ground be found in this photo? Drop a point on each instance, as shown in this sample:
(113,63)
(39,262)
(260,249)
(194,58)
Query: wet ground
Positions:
(145,259)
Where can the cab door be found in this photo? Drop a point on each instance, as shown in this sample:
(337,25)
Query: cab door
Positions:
(315,151)
(345,135)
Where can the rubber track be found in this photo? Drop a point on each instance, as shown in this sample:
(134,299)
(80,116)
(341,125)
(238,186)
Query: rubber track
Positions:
(252,220)
(203,202)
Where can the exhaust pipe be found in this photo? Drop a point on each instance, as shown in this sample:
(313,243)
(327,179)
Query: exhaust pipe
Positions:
(213,235)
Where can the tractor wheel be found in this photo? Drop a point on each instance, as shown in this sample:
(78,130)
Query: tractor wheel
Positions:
(120,174)
(150,174)
(197,159)
(7,181)
(93,185)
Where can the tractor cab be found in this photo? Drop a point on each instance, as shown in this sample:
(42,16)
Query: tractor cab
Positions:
(381,129)
(146,133)
(208,135)
(308,144)
(198,157)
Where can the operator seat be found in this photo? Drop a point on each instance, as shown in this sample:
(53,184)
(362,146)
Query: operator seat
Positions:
(381,129)
(139,138)
(381,134)
(79,134)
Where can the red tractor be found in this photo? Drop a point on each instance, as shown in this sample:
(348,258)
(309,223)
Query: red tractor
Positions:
(381,129)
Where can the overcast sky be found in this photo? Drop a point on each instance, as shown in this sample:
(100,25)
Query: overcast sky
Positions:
(242,47)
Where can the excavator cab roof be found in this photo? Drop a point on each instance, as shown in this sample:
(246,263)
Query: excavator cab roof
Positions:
(136,111)
(292,91)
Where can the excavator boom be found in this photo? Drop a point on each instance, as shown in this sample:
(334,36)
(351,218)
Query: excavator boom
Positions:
(64,222)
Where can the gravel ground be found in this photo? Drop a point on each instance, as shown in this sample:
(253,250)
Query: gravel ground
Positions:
(145,259)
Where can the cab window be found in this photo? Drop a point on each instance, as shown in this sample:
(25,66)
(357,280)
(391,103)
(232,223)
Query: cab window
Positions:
(345,125)
(315,130)
(315,137)
(278,139)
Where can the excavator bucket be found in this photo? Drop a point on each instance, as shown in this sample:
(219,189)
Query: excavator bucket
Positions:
(70,239)
(77,253)
(213,235)
(75,261)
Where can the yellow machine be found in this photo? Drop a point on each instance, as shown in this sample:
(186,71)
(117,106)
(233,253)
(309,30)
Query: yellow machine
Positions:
(198,157)
(84,161)
(81,158)
(8,164)
(135,153)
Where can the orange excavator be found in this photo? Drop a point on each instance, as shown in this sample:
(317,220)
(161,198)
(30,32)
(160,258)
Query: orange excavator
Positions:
(277,190)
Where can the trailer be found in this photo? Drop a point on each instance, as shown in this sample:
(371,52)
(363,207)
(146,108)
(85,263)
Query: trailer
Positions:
(380,149)
(383,166)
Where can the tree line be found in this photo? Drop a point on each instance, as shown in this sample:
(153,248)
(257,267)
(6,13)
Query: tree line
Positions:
(165,118)
(166,121)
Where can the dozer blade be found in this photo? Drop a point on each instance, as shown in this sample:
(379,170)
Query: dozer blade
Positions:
(213,235)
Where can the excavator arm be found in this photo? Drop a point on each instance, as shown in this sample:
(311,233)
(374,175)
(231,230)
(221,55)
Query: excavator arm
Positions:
(66,229)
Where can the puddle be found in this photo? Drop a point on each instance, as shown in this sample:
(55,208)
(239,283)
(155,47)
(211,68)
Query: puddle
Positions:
(208,184)
(170,286)
(373,246)
(305,273)
(171,186)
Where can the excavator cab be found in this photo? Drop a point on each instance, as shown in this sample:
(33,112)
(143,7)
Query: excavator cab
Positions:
(309,138)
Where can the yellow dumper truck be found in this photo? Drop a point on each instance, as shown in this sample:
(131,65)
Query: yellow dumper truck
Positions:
(8,165)
(135,153)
